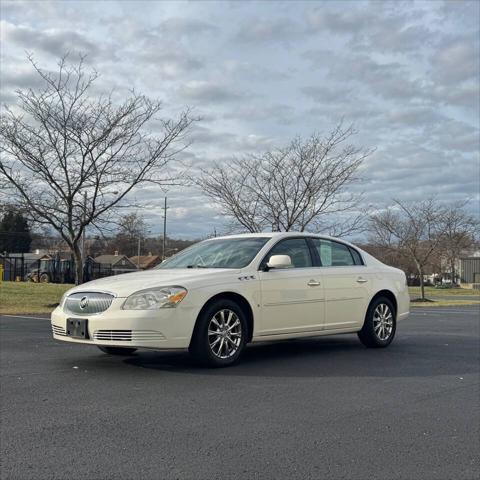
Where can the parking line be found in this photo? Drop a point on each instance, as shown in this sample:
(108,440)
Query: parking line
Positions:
(446,309)
(443,312)
(27,317)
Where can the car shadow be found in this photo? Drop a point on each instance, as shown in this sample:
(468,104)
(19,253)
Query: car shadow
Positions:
(341,356)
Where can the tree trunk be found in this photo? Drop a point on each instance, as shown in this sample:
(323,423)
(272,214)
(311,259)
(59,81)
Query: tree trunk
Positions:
(422,286)
(77,256)
(452,272)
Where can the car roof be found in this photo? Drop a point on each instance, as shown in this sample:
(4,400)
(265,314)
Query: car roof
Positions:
(280,235)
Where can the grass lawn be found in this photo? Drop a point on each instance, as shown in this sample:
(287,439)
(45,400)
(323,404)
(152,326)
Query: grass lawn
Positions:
(26,297)
(443,292)
(442,297)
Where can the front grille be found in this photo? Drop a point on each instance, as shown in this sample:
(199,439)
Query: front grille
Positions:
(58,330)
(88,303)
(127,335)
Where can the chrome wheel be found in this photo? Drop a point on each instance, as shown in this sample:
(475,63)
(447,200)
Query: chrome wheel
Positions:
(383,322)
(225,333)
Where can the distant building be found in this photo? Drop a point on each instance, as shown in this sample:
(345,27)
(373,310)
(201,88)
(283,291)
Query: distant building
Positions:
(145,262)
(118,263)
(469,270)
(27,257)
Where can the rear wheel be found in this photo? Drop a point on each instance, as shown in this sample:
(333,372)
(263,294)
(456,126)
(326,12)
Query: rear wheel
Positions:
(380,324)
(220,334)
(117,350)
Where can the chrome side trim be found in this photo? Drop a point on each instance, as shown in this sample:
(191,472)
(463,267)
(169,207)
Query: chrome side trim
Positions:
(293,302)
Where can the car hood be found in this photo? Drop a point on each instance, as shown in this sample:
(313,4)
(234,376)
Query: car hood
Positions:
(125,284)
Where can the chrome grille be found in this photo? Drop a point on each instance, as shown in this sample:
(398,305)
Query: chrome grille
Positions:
(127,335)
(58,330)
(88,303)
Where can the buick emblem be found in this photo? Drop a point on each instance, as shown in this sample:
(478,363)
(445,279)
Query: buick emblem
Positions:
(83,302)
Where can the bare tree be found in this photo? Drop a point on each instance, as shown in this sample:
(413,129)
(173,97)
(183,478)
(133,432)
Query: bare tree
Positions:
(132,230)
(70,158)
(459,234)
(302,186)
(413,230)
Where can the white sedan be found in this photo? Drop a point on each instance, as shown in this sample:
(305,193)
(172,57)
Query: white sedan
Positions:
(220,294)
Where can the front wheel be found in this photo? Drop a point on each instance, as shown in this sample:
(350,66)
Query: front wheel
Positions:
(220,334)
(380,324)
(117,350)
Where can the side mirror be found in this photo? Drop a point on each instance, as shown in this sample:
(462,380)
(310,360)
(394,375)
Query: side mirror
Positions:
(279,261)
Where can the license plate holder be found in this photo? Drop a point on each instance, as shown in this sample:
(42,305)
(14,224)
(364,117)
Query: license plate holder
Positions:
(77,328)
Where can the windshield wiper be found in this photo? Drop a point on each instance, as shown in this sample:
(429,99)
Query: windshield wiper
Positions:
(199,266)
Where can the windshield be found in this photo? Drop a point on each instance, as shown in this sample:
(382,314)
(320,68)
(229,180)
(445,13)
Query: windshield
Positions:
(222,253)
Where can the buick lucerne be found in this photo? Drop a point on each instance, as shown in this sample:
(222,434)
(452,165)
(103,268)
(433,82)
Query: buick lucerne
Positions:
(218,295)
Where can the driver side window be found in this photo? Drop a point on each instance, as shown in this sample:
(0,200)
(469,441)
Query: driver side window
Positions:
(296,248)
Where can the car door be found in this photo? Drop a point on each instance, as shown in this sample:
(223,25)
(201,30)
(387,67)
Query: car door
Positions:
(292,298)
(346,284)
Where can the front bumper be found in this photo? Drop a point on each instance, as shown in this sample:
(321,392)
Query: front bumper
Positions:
(167,328)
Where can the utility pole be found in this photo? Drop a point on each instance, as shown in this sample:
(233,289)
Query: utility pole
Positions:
(84,216)
(138,253)
(164,228)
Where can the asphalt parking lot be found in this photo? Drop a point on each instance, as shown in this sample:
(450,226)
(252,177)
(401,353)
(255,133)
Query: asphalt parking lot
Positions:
(317,408)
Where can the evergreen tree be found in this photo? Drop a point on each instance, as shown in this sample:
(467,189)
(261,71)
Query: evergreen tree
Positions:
(14,233)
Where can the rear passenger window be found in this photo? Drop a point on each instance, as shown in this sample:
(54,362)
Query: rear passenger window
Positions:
(333,254)
(356,257)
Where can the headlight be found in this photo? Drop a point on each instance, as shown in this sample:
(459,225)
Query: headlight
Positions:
(155,298)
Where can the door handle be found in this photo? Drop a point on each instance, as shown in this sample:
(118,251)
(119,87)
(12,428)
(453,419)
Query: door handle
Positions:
(313,283)
(361,280)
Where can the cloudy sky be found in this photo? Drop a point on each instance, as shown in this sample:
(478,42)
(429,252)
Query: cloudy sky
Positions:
(259,73)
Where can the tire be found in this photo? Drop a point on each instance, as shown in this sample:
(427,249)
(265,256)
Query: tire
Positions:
(117,350)
(380,324)
(220,334)
(44,278)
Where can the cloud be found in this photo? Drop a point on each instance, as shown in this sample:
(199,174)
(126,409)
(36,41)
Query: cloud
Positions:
(181,26)
(389,79)
(264,30)
(208,92)
(324,94)
(19,76)
(349,21)
(55,41)
(169,64)
(228,144)
(277,113)
(319,58)
(414,117)
(406,74)
(466,95)
(456,61)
